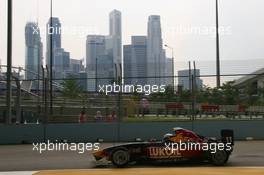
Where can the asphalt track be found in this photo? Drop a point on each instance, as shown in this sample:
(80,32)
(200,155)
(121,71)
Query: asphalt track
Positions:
(247,158)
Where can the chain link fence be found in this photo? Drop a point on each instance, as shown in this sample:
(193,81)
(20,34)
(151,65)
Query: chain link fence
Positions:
(98,98)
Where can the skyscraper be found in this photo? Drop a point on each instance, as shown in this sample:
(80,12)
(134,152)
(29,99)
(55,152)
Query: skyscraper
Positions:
(95,47)
(61,63)
(115,34)
(135,60)
(53,29)
(76,66)
(60,58)
(104,53)
(104,70)
(168,71)
(127,52)
(155,52)
(34,51)
(87,81)
(99,58)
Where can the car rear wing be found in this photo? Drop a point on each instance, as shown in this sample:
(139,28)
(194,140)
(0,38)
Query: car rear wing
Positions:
(227,136)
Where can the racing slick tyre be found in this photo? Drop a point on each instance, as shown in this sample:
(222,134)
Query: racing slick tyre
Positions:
(219,158)
(120,157)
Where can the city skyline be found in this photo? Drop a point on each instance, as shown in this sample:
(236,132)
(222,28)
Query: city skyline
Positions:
(184,31)
(147,57)
(60,53)
(185,45)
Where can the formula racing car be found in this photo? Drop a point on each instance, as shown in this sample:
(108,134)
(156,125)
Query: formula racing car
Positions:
(182,145)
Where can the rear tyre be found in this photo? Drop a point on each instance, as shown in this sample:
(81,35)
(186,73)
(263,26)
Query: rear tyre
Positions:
(219,158)
(120,157)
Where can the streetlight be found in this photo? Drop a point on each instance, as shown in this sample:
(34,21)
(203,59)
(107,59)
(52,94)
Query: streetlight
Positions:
(172,53)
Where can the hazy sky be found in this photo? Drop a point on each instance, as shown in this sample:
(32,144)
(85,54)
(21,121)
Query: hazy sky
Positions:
(181,20)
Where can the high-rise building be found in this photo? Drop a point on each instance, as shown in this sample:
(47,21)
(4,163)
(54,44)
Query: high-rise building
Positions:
(60,58)
(76,66)
(135,60)
(34,51)
(99,58)
(115,32)
(104,53)
(127,52)
(168,71)
(61,63)
(163,67)
(104,71)
(185,79)
(95,47)
(155,52)
(53,29)
(87,81)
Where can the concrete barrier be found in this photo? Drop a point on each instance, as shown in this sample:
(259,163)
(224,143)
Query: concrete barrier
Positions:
(17,134)
(109,132)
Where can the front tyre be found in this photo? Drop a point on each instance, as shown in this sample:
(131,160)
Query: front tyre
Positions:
(219,158)
(120,157)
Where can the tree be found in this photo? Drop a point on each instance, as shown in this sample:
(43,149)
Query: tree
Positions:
(230,93)
(71,88)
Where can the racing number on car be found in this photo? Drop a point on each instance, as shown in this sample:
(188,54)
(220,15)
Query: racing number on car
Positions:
(229,139)
(158,152)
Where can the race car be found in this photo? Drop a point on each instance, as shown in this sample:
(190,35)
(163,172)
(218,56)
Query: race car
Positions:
(182,145)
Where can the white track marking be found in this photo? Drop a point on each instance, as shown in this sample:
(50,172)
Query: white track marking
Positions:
(18,173)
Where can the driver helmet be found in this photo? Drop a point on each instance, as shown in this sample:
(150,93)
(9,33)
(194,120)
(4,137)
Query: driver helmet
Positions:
(167,136)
